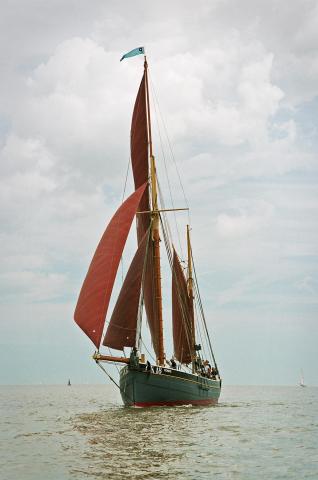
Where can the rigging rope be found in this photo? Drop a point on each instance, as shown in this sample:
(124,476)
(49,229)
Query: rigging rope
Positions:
(167,176)
(202,312)
(149,353)
(163,217)
(110,353)
(184,311)
(108,375)
(170,146)
(198,302)
(111,378)
(122,201)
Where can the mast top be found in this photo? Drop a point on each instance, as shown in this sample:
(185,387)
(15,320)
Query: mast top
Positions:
(148,108)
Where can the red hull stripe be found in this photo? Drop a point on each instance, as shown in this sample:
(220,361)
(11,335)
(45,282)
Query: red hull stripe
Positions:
(206,401)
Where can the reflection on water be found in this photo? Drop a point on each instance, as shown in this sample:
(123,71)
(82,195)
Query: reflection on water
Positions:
(83,432)
(201,442)
(127,443)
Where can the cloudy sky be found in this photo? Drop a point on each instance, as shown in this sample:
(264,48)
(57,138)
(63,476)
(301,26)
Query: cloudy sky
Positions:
(237,88)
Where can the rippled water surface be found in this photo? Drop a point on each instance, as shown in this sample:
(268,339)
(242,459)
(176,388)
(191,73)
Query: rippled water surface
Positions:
(83,432)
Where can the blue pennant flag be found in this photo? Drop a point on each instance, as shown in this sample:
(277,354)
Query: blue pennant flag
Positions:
(133,53)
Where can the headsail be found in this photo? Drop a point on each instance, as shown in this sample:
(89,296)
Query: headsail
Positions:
(93,301)
(121,331)
(182,321)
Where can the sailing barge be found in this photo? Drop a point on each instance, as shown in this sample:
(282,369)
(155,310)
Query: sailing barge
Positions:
(191,376)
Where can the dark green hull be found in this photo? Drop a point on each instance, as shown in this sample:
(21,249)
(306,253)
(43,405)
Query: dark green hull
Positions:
(166,386)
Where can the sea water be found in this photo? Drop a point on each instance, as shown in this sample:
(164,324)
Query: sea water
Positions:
(84,432)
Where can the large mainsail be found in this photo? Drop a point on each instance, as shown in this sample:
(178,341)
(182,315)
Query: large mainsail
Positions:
(93,301)
(121,331)
(139,158)
(139,138)
(182,314)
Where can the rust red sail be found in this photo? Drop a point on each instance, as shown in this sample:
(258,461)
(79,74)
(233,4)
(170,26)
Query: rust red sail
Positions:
(93,301)
(182,312)
(139,155)
(140,167)
(139,137)
(121,331)
(150,300)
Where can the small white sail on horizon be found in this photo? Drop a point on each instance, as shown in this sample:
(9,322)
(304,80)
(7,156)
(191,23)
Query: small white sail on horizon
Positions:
(302,381)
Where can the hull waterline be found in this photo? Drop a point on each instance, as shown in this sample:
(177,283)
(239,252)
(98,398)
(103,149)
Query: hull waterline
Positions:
(166,387)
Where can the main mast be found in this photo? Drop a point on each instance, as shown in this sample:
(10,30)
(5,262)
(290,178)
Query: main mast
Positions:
(155,228)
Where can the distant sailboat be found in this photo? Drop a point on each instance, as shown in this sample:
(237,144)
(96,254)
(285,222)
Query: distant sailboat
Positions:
(302,381)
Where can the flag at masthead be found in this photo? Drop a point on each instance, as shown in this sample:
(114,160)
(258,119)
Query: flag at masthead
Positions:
(133,53)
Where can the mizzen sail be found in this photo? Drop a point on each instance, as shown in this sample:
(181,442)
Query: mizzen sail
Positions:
(182,314)
(93,301)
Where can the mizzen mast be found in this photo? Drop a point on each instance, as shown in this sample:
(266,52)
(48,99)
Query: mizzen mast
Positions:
(190,277)
(155,227)
(191,297)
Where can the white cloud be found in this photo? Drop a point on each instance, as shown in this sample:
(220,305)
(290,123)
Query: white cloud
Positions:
(30,286)
(229,100)
(23,154)
(236,293)
(243,223)
(308,284)
(236,83)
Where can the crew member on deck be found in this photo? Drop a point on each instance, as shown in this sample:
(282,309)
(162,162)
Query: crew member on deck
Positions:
(148,366)
(173,363)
